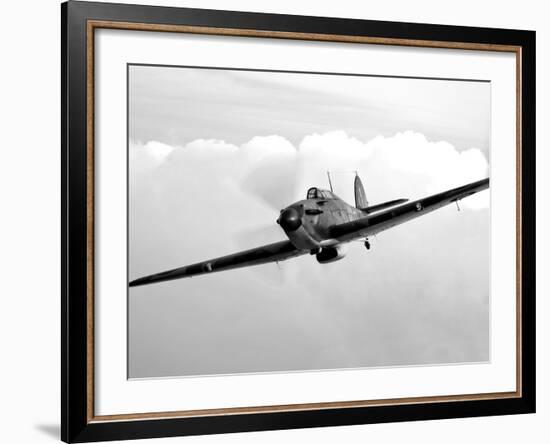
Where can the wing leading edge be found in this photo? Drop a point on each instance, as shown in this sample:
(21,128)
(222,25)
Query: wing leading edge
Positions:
(278,251)
(283,250)
(383,220)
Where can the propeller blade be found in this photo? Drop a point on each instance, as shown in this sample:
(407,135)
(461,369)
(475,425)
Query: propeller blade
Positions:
(250,237)
(273,183)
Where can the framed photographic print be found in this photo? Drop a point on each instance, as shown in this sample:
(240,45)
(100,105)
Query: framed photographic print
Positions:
(275,221)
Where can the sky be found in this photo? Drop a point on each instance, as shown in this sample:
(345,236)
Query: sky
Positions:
(176,106)
(215,154)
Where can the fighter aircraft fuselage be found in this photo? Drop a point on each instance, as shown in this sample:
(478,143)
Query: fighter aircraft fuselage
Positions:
(307,222)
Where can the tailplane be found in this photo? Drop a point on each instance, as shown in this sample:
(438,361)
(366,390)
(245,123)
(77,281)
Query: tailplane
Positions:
(362,203)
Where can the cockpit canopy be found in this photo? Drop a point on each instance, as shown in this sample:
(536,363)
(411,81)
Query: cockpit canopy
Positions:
(316,193)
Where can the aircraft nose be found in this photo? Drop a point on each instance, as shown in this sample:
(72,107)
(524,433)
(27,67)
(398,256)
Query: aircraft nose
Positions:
(290,219)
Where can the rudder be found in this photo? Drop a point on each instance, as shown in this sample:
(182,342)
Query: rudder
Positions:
(360,196)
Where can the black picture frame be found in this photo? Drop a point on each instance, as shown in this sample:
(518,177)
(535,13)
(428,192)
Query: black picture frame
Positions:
(77,424)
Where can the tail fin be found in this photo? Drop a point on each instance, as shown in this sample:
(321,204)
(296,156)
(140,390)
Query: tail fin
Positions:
(360,196)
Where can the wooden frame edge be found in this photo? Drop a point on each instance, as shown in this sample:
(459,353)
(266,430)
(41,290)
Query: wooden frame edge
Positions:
(336,38)
(90,208)
(303,407)
(105,24)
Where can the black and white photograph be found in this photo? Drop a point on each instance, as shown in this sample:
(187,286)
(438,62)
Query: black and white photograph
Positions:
(305,221)
(280,221)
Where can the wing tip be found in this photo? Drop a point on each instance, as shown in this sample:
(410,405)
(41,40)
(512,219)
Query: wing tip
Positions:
(143,281)
(136,282)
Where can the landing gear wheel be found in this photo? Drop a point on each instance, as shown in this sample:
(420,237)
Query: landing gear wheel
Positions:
(367,244)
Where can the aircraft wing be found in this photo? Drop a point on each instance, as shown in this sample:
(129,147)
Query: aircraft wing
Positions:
(278,251)
(383,220)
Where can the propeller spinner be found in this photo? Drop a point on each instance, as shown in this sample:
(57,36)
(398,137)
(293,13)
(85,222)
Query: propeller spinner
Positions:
(290,219)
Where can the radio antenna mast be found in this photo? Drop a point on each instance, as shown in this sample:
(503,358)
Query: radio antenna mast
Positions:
(330,182)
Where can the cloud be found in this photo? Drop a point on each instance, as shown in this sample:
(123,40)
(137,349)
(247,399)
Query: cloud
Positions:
(423,166)
(209,147)
(278,173)
(147,156)
(419,296)
(262,148)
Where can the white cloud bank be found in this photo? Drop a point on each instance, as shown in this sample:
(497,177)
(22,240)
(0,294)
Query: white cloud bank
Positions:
(405,165)
(420,295)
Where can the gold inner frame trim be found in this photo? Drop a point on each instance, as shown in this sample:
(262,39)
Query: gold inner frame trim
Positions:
(97,24)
